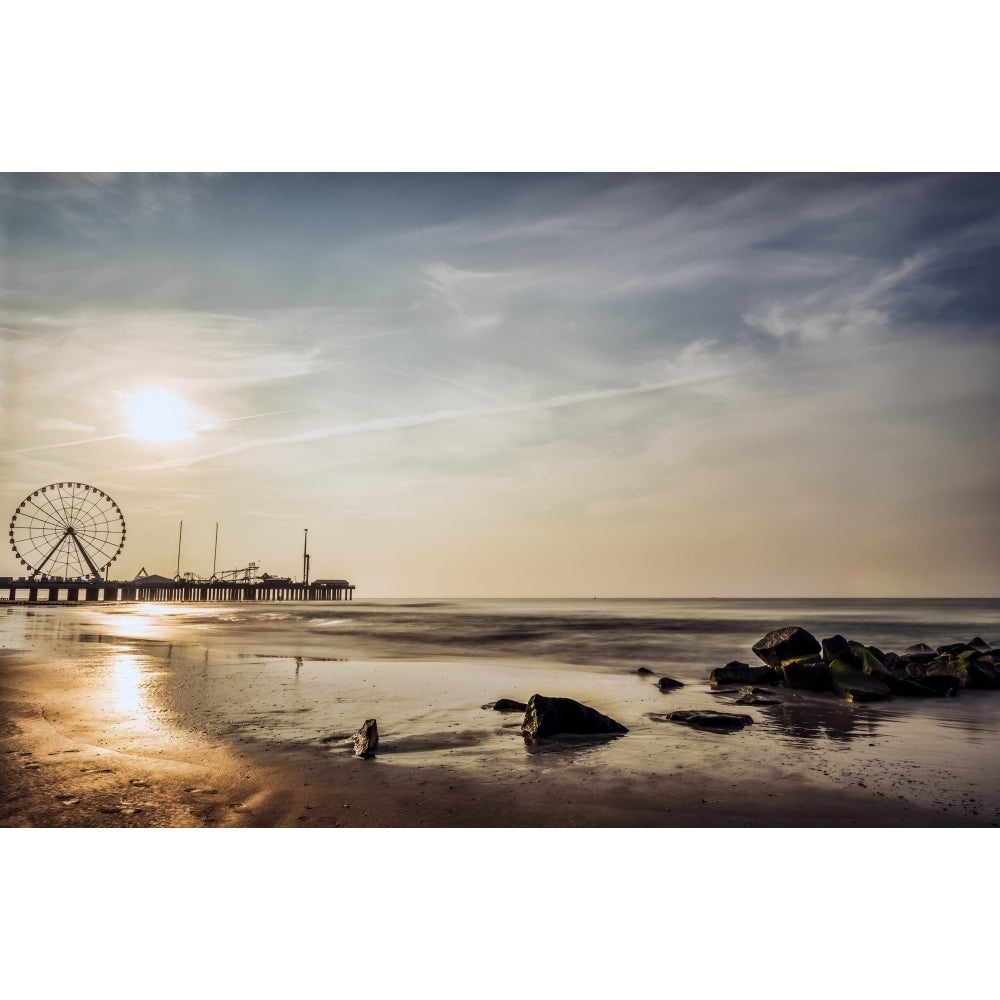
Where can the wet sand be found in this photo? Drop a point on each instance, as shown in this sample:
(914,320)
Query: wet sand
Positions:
(69,758)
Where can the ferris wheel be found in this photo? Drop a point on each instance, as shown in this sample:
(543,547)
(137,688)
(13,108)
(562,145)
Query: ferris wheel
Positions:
(67,531)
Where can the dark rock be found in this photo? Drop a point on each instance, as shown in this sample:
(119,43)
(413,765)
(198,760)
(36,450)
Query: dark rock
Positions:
(981,644)
(549,716)
(644,670)
(835,648)
(955,648)
(910,688)
(786,643)
(725,722)
(892,662)
(983,674)
(365,740)
(755,696)
(867,662)
(853,684)
(807,674)
(947,666)
(735,672)
(942,683)
(668,684)
(509,705)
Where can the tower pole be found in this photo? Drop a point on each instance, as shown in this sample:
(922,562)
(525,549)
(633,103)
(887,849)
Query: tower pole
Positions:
(180,534)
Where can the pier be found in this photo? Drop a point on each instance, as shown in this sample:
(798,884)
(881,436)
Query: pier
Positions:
(28,591)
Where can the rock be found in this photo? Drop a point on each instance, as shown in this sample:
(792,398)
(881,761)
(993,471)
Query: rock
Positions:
(807,674)
(910,688)
(508,705)
(943,684)
(835,648)
(549,716)
(644,670)
(867,662)
(919,649)
(854,684)
(981,644)
(752,696)
(955,648)
(983,674)
(365,740)
(668,684)
(915,663)
(735,672)
(892,662)
(786,643)
(947,666)
(724,722)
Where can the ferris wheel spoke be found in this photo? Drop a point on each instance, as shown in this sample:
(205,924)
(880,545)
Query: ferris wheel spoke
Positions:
(85,556)
(42,515)
(55,548)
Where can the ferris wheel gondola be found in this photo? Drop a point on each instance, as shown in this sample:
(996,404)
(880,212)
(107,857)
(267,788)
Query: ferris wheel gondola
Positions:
(67,531)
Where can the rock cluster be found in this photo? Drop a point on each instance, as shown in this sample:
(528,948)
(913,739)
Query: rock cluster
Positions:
(857,672)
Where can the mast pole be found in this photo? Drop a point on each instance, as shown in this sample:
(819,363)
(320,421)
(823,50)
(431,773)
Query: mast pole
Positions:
(180,534)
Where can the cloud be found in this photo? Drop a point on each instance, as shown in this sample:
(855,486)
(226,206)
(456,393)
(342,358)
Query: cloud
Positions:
(406,421)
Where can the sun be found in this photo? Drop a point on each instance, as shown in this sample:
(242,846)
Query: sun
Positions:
(158,415)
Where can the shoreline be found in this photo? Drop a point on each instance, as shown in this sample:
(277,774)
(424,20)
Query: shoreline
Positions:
(65,762)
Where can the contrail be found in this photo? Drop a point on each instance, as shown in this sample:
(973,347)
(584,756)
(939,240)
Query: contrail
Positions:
(438,417)
(66,444)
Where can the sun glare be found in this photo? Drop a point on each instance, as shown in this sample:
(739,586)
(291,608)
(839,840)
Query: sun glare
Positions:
(158,415)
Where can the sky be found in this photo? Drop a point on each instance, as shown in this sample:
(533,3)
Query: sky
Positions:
(517,385)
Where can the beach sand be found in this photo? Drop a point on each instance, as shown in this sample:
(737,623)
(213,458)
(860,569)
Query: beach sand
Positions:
(71,757)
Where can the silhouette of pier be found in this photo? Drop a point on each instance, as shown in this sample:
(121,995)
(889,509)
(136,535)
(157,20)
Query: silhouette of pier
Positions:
(28,591)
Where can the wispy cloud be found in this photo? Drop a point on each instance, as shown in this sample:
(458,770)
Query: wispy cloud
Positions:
(402,422)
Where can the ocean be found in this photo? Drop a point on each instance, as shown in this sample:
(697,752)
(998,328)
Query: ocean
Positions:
(308,674)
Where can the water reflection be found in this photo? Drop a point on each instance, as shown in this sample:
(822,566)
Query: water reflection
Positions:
(822,718)
(569,746)
(130,678)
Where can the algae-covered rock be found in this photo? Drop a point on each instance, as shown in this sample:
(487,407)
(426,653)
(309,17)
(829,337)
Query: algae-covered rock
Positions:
(785,643)
(836,647)
(955,648)
(854,684)
(735,672)
(546,716)
(867,662)
(948,666)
